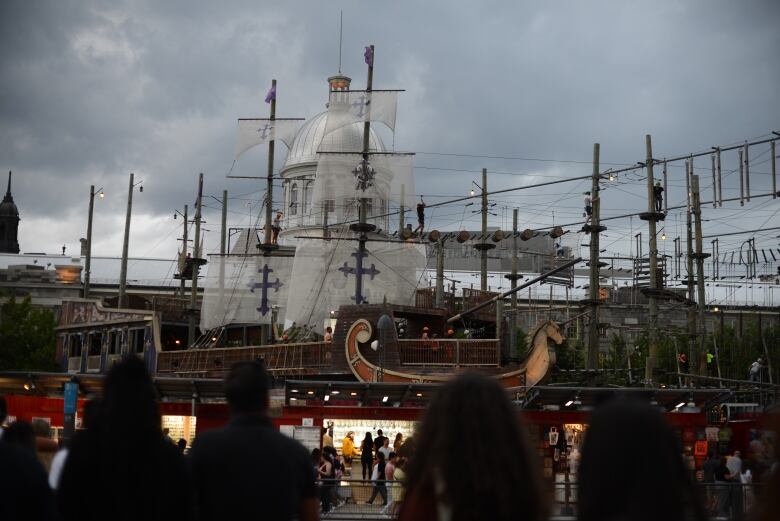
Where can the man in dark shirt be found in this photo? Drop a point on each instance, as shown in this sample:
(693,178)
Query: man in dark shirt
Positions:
(248,470)
(379,441)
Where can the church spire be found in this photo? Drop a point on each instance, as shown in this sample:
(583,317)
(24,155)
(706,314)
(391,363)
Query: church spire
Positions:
(8,192)
(9,222)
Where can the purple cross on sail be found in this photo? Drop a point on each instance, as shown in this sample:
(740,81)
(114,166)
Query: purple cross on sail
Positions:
(369,56)
(271,95)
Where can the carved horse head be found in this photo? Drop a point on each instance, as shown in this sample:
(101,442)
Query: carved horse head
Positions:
(553,332)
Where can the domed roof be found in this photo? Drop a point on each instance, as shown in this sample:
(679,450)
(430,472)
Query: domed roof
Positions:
(311,139)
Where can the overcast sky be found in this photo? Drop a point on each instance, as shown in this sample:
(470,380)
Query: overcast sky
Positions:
(91,91)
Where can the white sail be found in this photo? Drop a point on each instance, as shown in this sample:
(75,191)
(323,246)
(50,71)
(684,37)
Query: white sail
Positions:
(337,178)
(243,289)
(360,106)
(253,132)
(324,276)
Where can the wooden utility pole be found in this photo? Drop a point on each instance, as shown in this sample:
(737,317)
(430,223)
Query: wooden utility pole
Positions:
(193,311)
(122,300)
(513,351)
(440,273)
(88,252)
(701,297)
(690,281)
(269,196)
(182,282)
(223,228)
(652,218)
(483,246)
(595,228)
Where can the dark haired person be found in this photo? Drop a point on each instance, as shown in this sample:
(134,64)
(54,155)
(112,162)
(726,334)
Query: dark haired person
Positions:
(367,455)
(122,467)
(378,479)
(649,485)
(247,469)
(470,426)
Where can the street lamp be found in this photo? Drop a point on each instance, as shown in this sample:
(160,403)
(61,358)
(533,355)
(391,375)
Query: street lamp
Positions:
(121,301)
(88,259)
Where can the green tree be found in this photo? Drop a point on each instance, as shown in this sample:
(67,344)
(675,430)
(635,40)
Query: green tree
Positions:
(27,341)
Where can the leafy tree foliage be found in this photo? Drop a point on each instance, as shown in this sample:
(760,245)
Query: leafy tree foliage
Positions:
(27,341)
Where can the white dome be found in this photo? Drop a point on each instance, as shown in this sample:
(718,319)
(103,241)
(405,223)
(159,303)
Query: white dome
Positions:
(311,139)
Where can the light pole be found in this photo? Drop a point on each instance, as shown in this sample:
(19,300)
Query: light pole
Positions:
(122,300)
(88,259)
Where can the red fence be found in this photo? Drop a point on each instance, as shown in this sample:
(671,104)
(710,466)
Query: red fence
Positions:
(449,352)
(289,358)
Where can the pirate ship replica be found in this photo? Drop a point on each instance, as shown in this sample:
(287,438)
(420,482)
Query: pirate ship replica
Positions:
(335,264)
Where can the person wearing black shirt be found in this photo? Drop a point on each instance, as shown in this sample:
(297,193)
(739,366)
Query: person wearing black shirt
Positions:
(420,216)
(658,196)
(379,441)
(249,470)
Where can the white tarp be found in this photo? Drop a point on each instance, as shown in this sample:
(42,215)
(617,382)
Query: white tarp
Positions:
(359,106)
(324,277)
(253,132)
(336,179)
(252,285)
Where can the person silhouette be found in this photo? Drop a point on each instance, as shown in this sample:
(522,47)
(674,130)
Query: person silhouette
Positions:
(248,469)
(613,486)
(446,477)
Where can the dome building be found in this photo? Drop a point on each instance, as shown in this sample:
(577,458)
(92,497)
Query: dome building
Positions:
(9,222)
(300,168)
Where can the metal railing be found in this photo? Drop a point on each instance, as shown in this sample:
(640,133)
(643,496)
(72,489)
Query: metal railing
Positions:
(277,357)
(348,499)
(450,353)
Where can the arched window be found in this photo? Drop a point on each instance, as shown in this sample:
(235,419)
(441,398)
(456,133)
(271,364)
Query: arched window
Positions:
(307,196)
(294,199)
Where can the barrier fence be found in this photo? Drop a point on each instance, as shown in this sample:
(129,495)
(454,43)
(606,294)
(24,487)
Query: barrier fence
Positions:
(356,499)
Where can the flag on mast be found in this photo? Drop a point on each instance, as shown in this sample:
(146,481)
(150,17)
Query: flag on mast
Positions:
(369,56)
(271,94)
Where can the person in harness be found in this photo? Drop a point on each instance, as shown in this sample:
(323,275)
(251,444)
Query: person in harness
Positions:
(420,216)
(658,196)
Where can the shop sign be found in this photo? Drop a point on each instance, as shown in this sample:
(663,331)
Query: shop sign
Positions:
(308,422)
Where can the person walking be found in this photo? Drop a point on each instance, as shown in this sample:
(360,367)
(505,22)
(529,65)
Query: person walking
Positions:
(614,487)
(326,474)
(447,477)
(122,467)
(367,455)
(378,480)
(754,374)
(385,448)
(248,469)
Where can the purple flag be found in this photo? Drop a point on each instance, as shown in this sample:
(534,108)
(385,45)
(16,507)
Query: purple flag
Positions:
(369,55)
(271,95)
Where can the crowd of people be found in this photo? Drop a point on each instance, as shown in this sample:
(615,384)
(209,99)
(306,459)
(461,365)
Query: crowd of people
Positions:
(469,460)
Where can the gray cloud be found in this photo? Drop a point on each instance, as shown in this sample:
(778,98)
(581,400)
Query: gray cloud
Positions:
(90,93)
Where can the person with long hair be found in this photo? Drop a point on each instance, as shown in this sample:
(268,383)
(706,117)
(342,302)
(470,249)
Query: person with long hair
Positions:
(367,455)
(399,440)
(632,468)
(121,467)
(472,459)
(378,479)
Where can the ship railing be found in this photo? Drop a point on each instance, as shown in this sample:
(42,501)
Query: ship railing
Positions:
(277,357)
(447,352)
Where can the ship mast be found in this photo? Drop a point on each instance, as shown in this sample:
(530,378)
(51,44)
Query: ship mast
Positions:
(365,178)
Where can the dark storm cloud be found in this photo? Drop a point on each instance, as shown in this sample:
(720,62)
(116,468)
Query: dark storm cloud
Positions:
(91,92)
